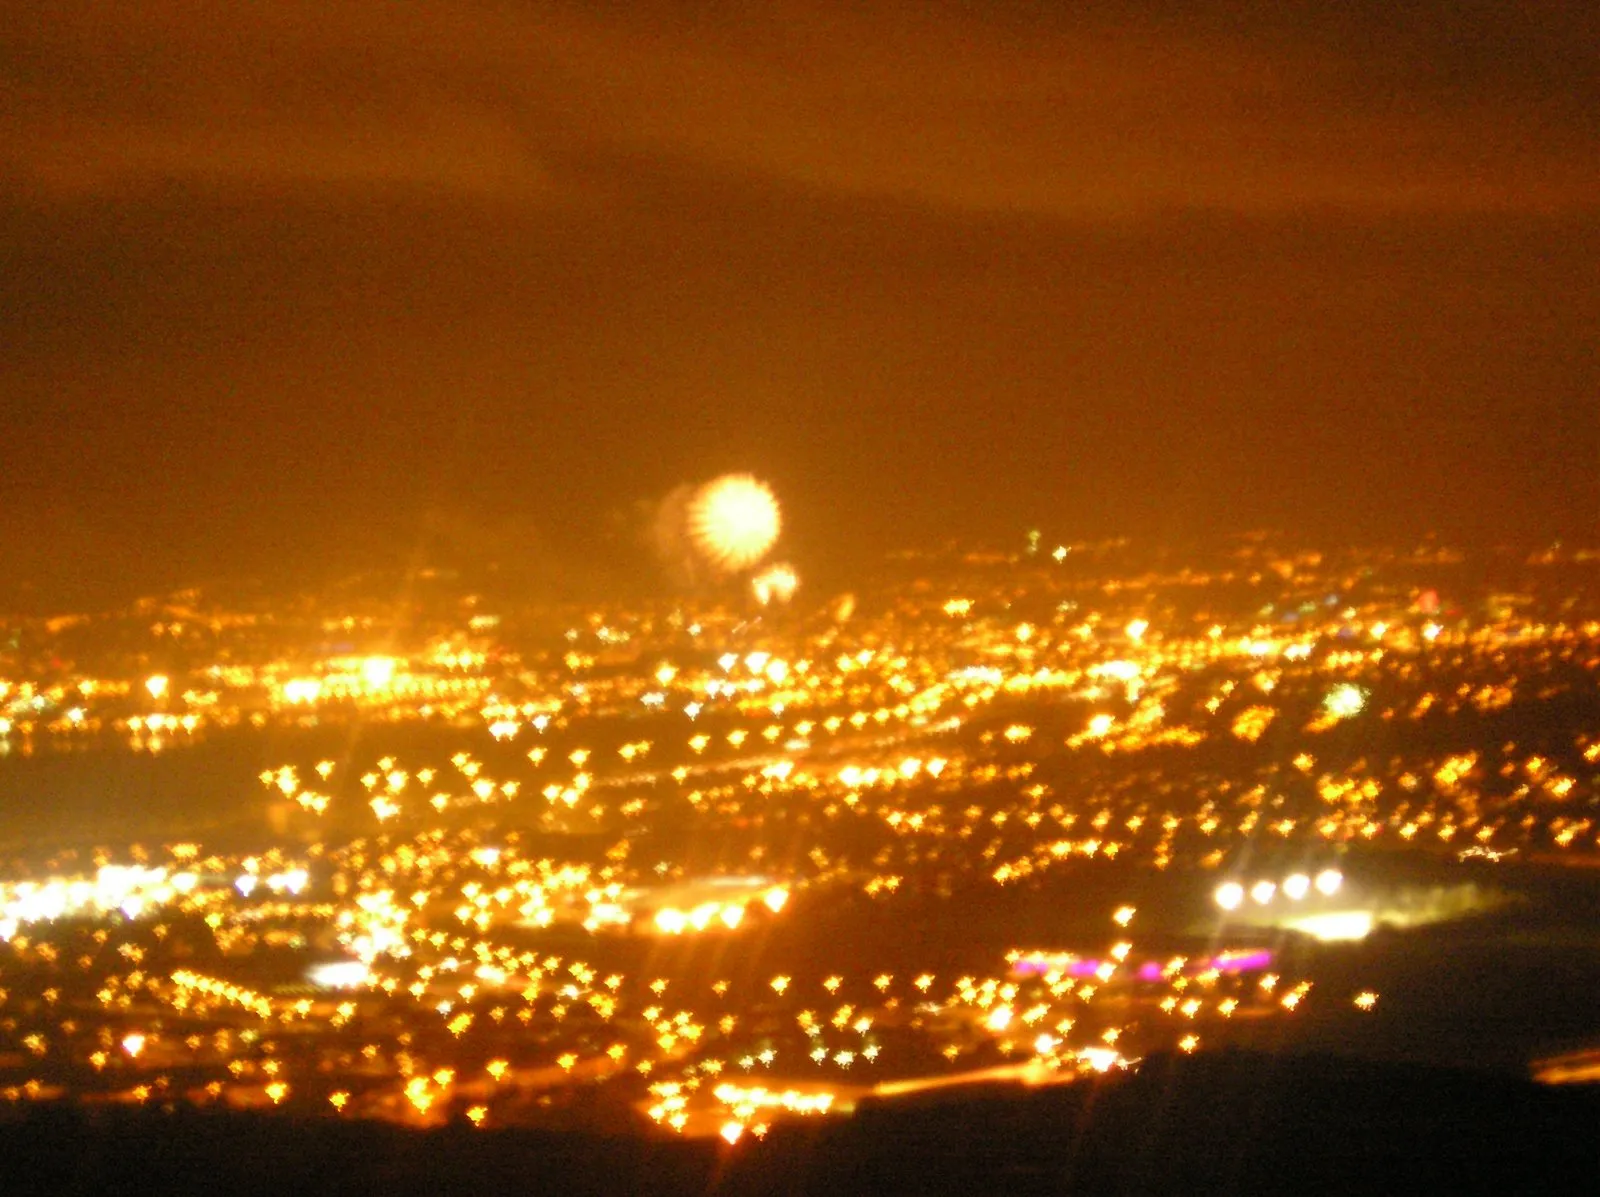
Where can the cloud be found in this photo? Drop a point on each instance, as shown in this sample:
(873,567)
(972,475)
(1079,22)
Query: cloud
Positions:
(1002,107)
(98,99)
(1112,119)
(461,152)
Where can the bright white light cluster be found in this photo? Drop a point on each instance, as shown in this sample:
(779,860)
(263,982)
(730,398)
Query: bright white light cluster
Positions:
(672,921)
(1230,895)
(340,974)
(1345,701)
(131,889)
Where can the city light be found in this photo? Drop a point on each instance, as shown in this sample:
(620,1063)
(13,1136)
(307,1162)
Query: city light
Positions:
(674,849)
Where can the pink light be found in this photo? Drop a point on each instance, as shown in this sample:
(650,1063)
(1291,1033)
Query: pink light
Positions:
(1038,964)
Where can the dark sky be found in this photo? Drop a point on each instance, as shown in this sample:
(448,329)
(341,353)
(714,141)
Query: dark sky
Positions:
(293,282)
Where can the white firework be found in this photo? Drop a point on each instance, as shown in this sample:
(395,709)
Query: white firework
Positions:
(734,521)
(774,584)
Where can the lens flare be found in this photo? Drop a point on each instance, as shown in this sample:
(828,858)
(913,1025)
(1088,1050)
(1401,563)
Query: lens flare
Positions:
(733,521)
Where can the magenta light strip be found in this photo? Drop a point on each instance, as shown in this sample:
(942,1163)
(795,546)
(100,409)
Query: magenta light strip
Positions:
(1038,964)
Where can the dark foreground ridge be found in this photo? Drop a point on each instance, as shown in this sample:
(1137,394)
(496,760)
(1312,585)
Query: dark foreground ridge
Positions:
(1232,1122)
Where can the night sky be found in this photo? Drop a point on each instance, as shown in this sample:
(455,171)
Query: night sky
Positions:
(292,285)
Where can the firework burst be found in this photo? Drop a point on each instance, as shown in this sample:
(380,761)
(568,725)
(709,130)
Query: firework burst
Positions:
(733,521)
